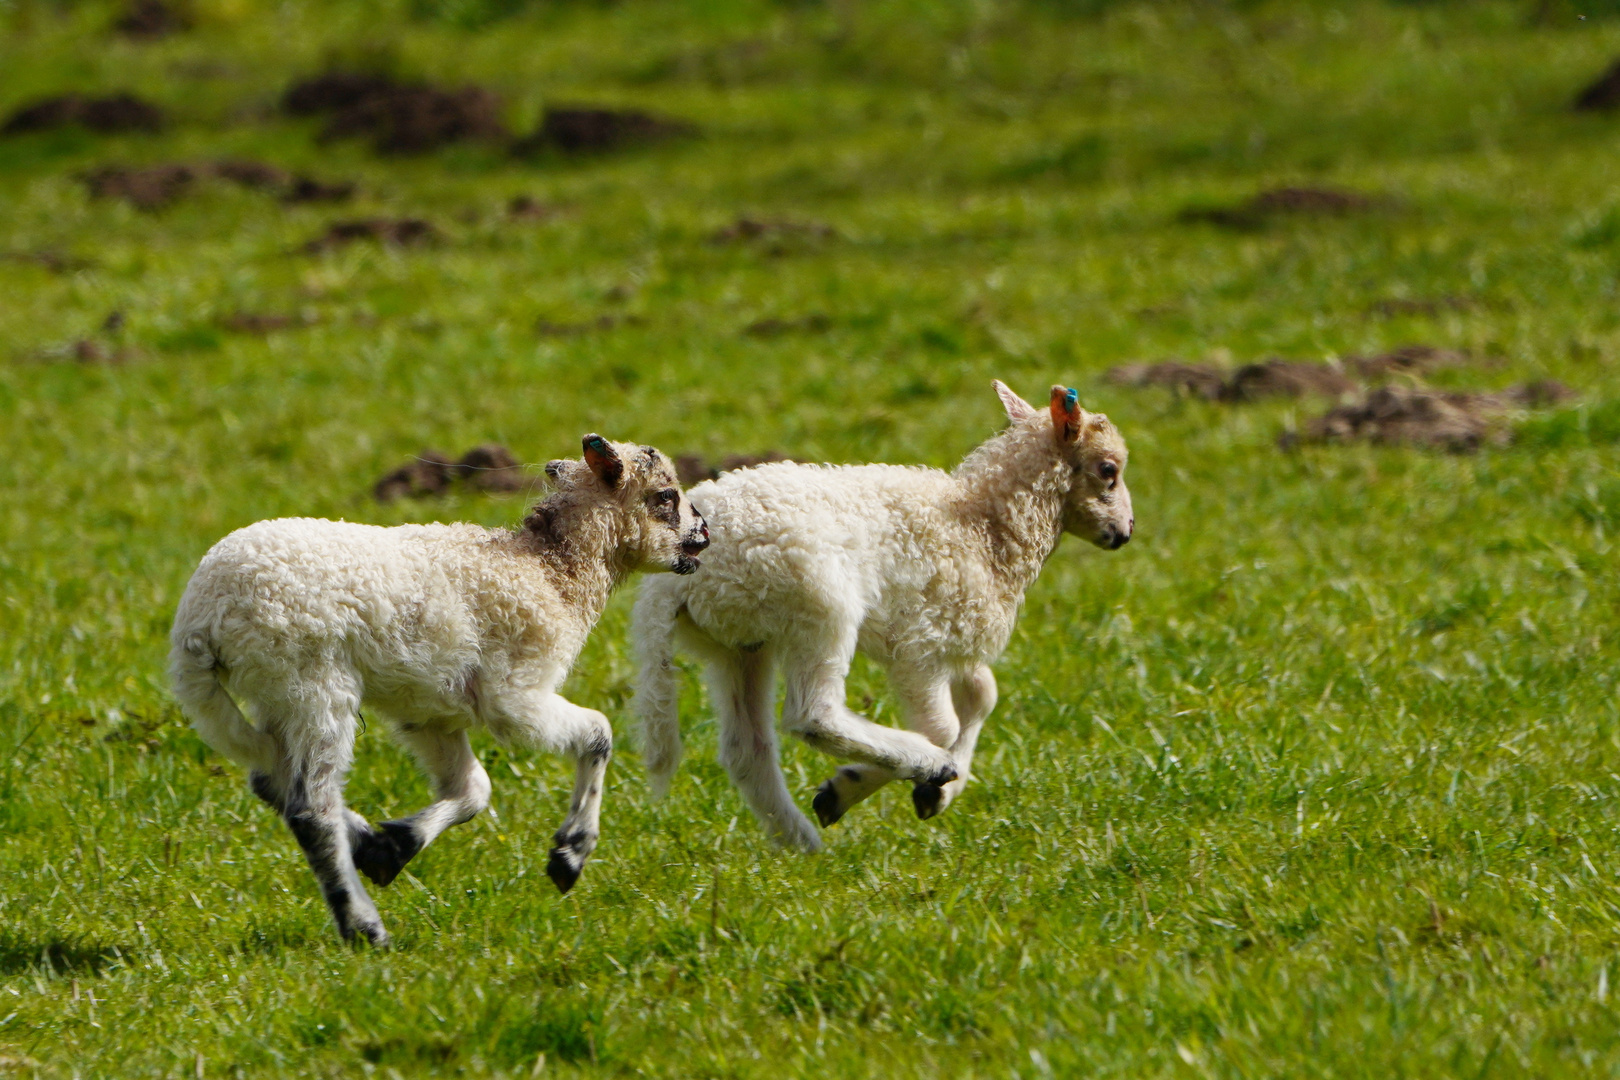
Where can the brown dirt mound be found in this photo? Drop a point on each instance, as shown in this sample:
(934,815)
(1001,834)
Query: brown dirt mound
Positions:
(152,187)
(148,188)
(768,328)
(1602,95)
(148,20)
(1269,378)
(399,117)
(547,328)
(693,469)
(55,261)
(488,467)
(1396,307)
(747,228)
(575,130)
(111,115)
(400,232)
(1407,360)
(1285,378)
(306,189)
(333,91)
(1269,205)
(528,208)
(491,467)
(1455,421)
(249,322)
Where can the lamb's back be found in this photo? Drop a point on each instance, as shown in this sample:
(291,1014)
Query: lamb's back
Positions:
(792,540)
(292,580)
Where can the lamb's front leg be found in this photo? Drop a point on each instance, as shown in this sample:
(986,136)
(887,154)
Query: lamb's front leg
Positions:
(925,702)
(462,789)
(551,722)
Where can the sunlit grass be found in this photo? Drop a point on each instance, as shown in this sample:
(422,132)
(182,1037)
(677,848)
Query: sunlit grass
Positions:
(1317,777)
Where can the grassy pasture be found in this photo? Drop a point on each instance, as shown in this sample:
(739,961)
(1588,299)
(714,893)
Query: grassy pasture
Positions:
(1318,776)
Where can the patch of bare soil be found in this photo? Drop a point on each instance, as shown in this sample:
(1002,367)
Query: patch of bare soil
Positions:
(55,261)
(250,174)
(1407,360)
(489,467)
(251,322)
(1282,202)
(397,232)
(1285,378)
(693,469)
(111,115)
(814,323)
(547,328)
(528,208)
(148,20)
(398,117)
(1457,421)
(1604,94)
(152,187)
(307,189)
(1396,307)
(1269,378)
(771,230)
(577,130)
(149,188)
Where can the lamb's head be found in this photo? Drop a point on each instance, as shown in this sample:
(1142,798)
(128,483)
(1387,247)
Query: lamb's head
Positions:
(1091,454)
(654,525)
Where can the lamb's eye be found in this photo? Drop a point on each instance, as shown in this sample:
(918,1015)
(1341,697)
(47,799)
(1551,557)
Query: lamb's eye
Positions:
(1108,470)
(669,495)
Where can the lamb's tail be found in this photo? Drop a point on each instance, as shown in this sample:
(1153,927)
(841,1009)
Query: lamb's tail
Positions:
(194,674)
(657,704)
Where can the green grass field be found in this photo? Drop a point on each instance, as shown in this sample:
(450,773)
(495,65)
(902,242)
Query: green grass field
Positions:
(1318,777)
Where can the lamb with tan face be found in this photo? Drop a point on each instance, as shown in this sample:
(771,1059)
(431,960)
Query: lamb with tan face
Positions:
(440,628)
(921,570)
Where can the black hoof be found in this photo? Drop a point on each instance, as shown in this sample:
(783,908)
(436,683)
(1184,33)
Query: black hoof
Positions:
(383,852)
(929,800)
(825,804)
(563,868)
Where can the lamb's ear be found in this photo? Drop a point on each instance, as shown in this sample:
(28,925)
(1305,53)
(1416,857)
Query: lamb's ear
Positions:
(1017,408)
(603,460)
(1066,414)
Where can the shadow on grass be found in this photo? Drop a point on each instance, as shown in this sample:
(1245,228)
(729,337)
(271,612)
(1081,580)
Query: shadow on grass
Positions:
(56,955)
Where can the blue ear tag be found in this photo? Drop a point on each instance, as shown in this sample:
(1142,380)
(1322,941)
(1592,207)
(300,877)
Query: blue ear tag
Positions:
(598,444)
(1071,400)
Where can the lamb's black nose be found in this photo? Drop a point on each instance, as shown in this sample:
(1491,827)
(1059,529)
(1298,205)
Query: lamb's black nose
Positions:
(1120,540)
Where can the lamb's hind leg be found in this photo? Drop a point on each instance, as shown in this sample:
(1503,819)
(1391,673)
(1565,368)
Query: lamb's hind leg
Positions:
(271,789)
(312,806)
(461,788)
(925,702)
(551,722)
(742,686)
(815,711)
(972,697)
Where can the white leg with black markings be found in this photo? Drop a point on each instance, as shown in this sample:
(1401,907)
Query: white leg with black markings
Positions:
(309,783)
(461,788)
(970,700)
(814,710)
(551,722)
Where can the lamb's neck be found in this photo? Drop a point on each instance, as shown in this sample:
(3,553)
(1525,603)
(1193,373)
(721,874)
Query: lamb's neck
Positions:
(1016,505)
(585,564)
